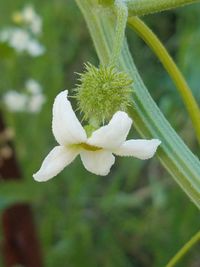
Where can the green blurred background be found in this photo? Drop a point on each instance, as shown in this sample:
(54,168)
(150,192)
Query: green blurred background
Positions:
(137,215)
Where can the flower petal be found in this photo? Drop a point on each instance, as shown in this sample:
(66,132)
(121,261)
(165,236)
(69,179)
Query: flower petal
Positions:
(98,162)
(65,125)
(141,149)
(56,160)
(114,134)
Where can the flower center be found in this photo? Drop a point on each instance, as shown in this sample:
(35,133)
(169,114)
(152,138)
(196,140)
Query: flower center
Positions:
(89,147)
(86,146)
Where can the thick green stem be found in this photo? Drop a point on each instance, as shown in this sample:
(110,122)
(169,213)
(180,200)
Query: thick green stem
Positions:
(148,119)
(152,41)
(181,253)
(144,7)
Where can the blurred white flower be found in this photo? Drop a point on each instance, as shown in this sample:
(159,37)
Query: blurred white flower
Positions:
(31,100)
(15,101)
(16,38)
(23,38)
(36,98)
(21,41)
(34,48)
(36,26)
(36,102)
(33,87)
(30,18)
(28,14)
(96,151)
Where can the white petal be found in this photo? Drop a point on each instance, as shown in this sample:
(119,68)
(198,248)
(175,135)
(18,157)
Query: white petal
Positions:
(97,162)
(114,134)
(65,125)
(56,160)
(141,149)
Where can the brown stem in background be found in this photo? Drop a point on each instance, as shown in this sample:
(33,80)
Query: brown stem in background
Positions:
(20,244)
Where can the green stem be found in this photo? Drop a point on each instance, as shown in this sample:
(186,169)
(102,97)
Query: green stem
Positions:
(181,253)
(144,7)
(148,119)
(122,15)
(154,43)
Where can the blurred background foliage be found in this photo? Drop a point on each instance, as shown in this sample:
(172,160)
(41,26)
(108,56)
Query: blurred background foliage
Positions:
(136,216)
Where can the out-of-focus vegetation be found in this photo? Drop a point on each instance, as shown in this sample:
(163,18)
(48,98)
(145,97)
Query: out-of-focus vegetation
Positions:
(136,216)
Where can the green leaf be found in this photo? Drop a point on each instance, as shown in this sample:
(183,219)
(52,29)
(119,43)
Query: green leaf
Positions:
(6,51)
(144,7)
(18,192)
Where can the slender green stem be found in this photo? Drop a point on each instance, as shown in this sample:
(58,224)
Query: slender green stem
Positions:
(144,7)
(122,15)
(154,43)
(181,253)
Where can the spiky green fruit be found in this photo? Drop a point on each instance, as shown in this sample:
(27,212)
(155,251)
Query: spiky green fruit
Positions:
(102,92)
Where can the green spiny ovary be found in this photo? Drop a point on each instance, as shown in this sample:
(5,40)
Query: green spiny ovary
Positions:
(102,92)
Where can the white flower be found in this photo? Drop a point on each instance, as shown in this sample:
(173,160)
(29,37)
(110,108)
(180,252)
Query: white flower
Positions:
(33,87)
(96,151)
(36,98)
(36,102)
(36,25)
(30,17)
(18,39)
(28,14)
(31,100)
(15,101)
(34,48)
(21,41)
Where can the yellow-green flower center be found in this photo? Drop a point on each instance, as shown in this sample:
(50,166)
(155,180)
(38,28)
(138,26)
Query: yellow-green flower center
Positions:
(86,146)
(89,147)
